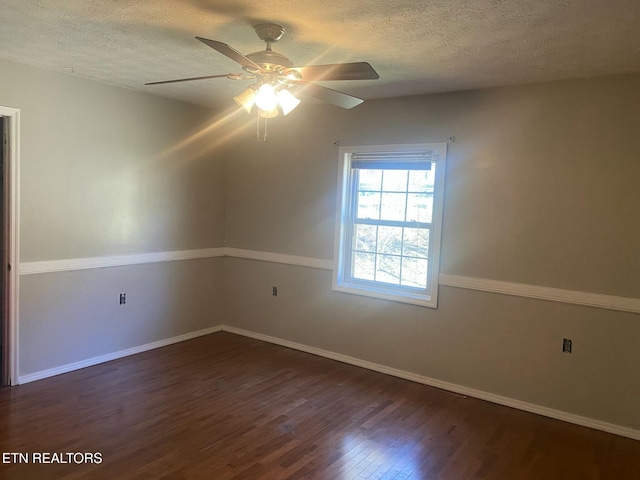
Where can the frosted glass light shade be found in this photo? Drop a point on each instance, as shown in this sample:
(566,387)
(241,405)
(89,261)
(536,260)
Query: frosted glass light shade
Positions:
(246,99)
(266,99)
(287,101)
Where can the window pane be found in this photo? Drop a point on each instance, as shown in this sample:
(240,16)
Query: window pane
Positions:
(365,238)
(393,206)
(364,265)
(414,272)
(388,269)
(369,205)
(394,181)
(422,180)
(385,239)
(420,207)
(369,179)
(416,242)
(390,240)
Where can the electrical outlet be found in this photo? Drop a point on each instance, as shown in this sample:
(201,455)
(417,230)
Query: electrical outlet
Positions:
(567,345)
(275,291)
(123,298)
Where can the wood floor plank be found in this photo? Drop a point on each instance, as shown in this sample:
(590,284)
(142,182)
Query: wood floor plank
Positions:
(229,407)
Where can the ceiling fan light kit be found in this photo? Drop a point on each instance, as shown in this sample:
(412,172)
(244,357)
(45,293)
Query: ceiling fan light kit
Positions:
(246,99)
(287,101)
(266,98)
(278,81)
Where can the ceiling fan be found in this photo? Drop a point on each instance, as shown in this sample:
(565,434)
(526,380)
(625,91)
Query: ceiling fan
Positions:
(277,80)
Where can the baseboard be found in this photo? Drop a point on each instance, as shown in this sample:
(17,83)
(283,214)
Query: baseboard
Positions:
(433,382)
(471,392)
(31,377)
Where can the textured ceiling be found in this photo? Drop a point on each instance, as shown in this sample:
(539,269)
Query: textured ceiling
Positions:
(417,46)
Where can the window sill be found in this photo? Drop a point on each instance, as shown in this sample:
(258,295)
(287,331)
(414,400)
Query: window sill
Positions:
(420,300)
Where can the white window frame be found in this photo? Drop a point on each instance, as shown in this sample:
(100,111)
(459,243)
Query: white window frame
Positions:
(342,281)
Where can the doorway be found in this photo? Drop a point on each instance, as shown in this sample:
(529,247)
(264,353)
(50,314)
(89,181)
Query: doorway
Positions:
(3,319)
(9,208)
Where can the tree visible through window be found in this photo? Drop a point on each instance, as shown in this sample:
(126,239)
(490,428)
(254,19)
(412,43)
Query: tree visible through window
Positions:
(388,235)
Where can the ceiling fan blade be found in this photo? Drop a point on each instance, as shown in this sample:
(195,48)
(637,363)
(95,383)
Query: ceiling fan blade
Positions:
(232,53)
(227,75)
(337,71)
(330,96)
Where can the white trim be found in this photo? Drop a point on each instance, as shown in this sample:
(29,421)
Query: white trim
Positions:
(382,294)
(30,268)
(12,183)
(346,194)
(280,258)
(452,387)
(69,367)
(597,300)
(611,302)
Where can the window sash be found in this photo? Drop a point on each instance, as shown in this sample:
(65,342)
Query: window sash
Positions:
(349,260)
(391,223)
(352,160)
(353,220)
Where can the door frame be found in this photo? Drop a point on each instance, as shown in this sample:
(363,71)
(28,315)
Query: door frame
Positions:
(11,232)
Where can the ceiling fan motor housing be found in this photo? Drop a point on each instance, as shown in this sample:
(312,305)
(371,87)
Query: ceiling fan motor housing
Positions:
(268,59)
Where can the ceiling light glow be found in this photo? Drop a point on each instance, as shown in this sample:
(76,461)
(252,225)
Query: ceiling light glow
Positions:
(266,98)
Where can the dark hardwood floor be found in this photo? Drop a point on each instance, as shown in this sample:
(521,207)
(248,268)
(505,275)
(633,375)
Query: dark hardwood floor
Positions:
(229,407)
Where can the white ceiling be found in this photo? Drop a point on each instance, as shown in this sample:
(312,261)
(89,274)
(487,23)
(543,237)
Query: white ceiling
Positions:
(417,46)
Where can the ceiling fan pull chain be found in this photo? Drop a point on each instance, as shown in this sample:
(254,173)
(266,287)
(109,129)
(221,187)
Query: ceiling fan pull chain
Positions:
(264,138)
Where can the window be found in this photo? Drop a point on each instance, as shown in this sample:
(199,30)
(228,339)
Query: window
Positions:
(389,222)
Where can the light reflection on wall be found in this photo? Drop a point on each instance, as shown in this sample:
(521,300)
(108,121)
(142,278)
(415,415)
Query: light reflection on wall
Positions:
(123,227)
(391,457)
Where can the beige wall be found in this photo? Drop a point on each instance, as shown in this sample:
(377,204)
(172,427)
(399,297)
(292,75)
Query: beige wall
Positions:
(74,316)
(108,171)
(541,181)
(541,189)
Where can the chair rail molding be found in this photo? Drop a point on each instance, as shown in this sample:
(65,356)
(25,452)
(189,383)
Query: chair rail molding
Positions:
(589,299)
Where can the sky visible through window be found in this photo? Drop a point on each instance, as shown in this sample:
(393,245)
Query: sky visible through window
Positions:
(392,226)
